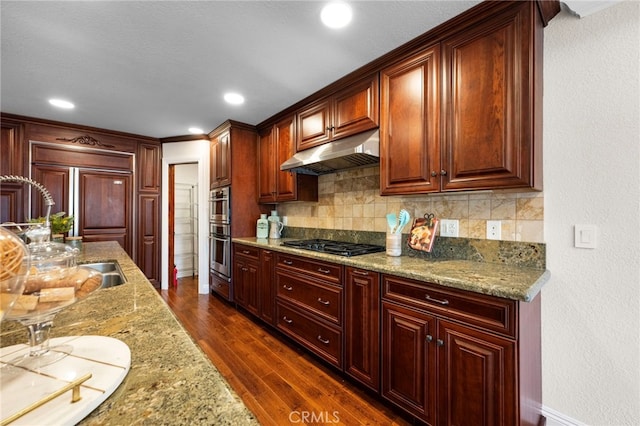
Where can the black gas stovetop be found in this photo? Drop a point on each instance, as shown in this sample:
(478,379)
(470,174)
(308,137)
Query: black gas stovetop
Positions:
(340,248)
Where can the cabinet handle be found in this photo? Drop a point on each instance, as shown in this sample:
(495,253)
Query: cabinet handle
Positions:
(331,127)
(441,302)
(288,288)
(287,262)
(246,251)
(323,340)
(440,342)
(429,338)
(324,271)
(244,269)
(434,173)
(443,172)
(364,273)
(324,302)
(287,320)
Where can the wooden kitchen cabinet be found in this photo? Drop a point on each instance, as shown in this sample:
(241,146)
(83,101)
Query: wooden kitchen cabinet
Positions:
(220,160)
(349,111)
(453,357)
(276,145)
(362,326)
(246,277)
(410,124)
(12,194)
(267,287)
(480,86)
(309,303)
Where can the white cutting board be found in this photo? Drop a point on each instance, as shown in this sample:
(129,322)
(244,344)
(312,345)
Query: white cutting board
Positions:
(106,358)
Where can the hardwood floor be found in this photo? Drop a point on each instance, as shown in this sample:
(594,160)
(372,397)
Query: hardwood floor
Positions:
(278,381)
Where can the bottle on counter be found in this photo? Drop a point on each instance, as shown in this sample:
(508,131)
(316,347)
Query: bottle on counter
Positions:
(262,227)
(274,216)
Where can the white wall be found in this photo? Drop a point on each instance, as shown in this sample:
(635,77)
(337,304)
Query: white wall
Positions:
(591,305)
(187,152)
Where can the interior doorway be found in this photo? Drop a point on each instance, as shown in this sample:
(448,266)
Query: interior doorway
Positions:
(183,221)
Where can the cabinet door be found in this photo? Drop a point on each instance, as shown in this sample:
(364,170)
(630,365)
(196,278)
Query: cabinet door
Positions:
(267,167)
(488,103)
(266,289)
(362,327)
(56,180)
(314,125)
(285,181)
(408,360)
(477,381)
(356,108)
(410,125)
(245,282)
(105,201)
(220,161)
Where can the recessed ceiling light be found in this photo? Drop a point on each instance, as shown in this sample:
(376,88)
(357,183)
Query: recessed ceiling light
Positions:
(196,130)
(61,103)
(234,98)
(336,15)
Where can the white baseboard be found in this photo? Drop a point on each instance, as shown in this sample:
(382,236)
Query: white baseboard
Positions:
(556,418)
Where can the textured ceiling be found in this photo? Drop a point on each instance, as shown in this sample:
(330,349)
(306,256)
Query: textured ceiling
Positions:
(155,68)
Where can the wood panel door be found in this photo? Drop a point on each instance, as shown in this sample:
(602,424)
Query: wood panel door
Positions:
(105,207)
(56,180)
(477,377)
(220,160)
(266,167)
(410,125)
(285,142)
(356,108)
(267,289)
(12,194)
(488,101)
(314,125)
(362,327)
(409,360)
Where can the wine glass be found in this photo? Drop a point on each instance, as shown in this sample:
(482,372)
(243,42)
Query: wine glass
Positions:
(53,282)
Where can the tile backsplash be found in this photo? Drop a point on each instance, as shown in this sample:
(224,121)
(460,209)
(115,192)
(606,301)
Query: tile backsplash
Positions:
(351,200)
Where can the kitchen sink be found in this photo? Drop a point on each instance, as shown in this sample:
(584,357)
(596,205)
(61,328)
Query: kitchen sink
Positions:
(112,275)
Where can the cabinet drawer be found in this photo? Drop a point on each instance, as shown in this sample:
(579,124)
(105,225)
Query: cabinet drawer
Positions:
(321,339)
(247,251)
(488,312)
(324,300)
(326,271)
(220,286)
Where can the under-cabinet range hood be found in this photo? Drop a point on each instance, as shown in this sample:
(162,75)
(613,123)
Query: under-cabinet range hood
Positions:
(354,151)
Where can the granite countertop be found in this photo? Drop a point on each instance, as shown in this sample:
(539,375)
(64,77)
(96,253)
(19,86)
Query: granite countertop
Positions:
(171,381)
(506,281)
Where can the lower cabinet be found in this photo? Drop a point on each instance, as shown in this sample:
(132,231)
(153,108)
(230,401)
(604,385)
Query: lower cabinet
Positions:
(445,356)
(362,327)
(451,357)
(309,300)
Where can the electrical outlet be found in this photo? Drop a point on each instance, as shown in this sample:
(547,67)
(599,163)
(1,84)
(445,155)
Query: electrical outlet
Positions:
(449,228)
(494,230)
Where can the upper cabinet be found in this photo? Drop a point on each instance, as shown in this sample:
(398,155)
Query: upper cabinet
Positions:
(219,163)
(351,110)
(492,99)
(465,113)
(410,124)
(276,145)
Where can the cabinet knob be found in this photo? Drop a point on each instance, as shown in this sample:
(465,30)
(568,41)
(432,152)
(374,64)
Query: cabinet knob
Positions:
(429,338)
(440,342)
(434,173)
(443,172)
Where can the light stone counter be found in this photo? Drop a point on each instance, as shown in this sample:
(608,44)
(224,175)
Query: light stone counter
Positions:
(171,381)
(506,281)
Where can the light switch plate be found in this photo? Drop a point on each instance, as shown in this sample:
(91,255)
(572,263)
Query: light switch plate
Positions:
(585,236)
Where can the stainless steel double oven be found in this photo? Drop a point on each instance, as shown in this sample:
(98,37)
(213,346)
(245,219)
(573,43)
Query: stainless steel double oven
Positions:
(220,233)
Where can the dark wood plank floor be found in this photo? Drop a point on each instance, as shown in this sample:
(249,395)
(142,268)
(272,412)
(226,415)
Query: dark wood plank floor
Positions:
(277,380)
